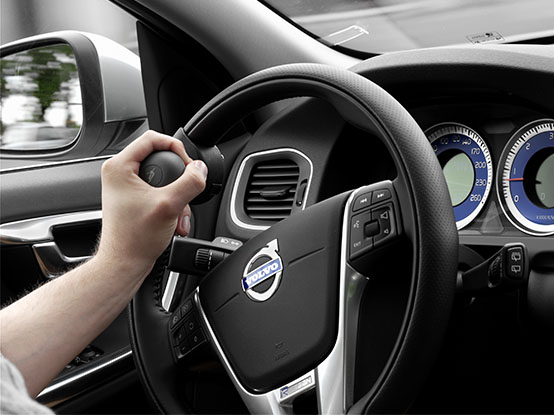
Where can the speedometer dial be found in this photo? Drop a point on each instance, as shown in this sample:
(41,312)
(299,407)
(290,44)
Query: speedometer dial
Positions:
(526,181)
(467,166)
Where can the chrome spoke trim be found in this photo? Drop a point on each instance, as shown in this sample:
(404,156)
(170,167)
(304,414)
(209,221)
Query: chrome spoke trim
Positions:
(169,291)
(333,378)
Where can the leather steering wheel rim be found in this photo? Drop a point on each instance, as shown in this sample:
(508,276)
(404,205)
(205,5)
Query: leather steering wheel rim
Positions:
(358,100)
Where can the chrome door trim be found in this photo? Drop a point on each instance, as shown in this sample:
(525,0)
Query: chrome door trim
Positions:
(34,230)
(52,262)
(57,385)
(37,166)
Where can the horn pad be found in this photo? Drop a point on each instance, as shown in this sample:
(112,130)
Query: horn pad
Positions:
(273,304)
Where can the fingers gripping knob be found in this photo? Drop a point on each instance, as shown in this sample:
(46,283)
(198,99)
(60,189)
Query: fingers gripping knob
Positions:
(161,168)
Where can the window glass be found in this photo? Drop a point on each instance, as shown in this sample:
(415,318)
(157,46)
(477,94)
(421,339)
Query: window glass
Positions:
(24,18)
(376,26)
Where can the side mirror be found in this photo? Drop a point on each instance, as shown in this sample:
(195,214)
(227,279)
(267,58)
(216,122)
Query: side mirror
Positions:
(68,95)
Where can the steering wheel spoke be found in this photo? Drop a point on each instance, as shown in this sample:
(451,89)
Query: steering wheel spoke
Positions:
(374,207)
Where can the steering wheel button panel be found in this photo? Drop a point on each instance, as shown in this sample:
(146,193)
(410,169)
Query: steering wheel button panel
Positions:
(184,329)
(373,226)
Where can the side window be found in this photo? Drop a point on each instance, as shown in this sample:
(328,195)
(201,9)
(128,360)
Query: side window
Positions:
(43,105)
(24,18)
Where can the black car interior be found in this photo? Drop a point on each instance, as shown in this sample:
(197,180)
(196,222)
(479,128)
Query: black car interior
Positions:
(295,142)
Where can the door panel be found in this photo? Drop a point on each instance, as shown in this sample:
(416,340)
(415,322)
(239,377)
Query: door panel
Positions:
(57,206)
(50,189)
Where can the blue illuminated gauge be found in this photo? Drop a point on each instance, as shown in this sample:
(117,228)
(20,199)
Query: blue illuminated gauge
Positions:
(467,167)
(526,182)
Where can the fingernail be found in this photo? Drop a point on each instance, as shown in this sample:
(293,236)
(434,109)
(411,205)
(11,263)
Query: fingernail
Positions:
(199,164)
(186,224)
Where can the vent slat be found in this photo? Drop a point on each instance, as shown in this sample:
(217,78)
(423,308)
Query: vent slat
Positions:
(273,207)
(276,166)
(273,174)
(270,217)
(257,191)
(266,178)
(257,198)
(274,182)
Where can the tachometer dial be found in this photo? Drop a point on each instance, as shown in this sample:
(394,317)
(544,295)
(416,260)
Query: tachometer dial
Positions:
(467,166)
(526,181)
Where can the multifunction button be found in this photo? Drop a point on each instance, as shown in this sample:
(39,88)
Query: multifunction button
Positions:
(383,217)
(186,333)
(359,241)
(361,202)
(380,196)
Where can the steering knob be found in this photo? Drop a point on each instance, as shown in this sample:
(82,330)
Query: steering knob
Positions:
(161,168)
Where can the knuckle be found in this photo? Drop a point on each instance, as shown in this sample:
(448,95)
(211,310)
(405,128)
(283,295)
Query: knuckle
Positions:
(108,166)
(150,135)
(179,144)
(165,207)
(197,181)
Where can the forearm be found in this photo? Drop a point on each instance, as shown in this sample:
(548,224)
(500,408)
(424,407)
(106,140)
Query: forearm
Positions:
(44,330)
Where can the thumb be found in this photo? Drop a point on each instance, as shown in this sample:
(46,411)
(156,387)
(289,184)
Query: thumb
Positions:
(191,183)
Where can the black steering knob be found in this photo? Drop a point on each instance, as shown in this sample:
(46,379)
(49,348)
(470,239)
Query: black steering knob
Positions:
(161,168)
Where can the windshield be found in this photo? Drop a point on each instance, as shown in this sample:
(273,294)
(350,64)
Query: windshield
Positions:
(376,26)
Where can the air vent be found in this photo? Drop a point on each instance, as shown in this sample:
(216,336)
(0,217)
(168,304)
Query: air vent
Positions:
(271,189)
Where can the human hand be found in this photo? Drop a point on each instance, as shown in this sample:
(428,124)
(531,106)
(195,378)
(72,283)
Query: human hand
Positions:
(138,220)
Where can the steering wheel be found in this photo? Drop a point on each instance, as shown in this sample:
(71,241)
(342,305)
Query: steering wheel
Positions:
(285,313)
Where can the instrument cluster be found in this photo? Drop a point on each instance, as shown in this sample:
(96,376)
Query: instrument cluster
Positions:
(524,174)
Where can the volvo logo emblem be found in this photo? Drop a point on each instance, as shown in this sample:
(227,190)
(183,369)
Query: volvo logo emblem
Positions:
(273,267)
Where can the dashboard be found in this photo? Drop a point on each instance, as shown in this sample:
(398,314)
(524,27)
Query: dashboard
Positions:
(488,122)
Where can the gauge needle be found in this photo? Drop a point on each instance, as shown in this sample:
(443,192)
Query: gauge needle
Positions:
(519,179)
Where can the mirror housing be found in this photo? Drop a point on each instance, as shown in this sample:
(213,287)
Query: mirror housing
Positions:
(114,110)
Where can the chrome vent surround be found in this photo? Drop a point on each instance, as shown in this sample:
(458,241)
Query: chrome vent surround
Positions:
(271,189)
(270,186)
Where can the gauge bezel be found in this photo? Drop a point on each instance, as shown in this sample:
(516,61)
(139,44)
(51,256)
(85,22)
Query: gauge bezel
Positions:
(507,205)
(437,131)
